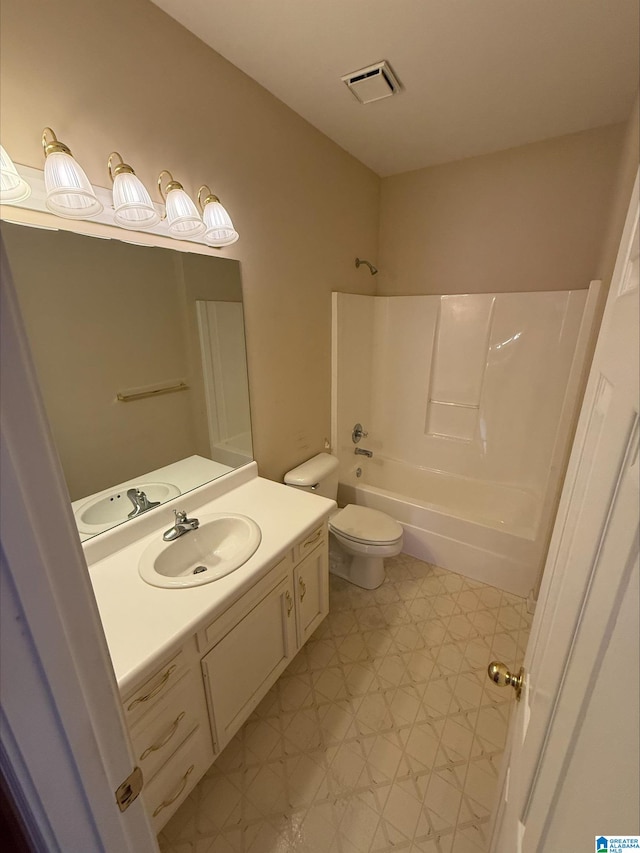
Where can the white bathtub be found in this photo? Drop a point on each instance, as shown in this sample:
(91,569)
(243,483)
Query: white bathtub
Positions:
(486,531)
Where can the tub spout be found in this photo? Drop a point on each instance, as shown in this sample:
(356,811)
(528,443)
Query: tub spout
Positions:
(360,451)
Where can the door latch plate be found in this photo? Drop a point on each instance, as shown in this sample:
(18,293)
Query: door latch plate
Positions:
(129,790)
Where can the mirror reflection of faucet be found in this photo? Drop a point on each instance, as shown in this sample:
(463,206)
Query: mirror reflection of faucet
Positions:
(140,501)
(360,451)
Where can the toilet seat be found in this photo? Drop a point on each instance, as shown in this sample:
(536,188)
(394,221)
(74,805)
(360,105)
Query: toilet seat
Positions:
(364,525)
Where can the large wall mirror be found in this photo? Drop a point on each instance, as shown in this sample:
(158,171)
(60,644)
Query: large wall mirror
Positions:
(140,354)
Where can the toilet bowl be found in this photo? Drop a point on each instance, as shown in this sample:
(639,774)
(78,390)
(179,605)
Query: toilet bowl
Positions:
(366,537)
(359,538)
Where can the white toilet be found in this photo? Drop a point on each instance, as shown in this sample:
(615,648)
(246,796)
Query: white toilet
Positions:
(360,538)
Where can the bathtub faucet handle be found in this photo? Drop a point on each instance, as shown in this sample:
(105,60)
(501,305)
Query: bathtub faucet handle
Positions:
(358,433)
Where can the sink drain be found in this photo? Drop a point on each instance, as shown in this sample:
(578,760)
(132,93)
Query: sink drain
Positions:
(199,569)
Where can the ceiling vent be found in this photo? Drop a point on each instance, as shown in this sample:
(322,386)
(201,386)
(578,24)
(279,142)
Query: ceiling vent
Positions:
(372,83)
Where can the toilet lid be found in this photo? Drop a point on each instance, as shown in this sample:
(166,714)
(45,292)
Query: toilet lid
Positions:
(365,525)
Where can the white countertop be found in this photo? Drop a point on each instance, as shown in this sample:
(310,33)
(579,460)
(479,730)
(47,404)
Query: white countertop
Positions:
(143,623)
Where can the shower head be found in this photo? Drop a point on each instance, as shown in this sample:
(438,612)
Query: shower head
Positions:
(373,270)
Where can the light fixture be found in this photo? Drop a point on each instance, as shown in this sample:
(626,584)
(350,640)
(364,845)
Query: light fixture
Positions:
(132,203)
(220,231)
(182,215)
(69,191)
(13,188)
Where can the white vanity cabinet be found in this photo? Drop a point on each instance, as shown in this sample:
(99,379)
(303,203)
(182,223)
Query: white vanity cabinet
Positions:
(182,716)
(256,639)
(246,661)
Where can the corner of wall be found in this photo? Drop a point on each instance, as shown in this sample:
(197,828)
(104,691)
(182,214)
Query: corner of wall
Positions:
(621,193)
(524,219)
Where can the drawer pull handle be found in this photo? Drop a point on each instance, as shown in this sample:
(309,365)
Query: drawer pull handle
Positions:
(183,785)
(165,740)
(314,539)
(287,595)
(303,589)
(155,690)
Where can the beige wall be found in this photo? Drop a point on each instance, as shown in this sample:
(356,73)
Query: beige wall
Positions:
(529,218)
(123,75)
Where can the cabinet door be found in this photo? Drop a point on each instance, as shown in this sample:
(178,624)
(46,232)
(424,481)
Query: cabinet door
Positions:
(311,579)
(245,664)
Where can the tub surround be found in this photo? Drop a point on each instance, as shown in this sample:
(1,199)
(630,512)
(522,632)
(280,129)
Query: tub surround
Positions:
(469,402)
(468,384)
(142,623)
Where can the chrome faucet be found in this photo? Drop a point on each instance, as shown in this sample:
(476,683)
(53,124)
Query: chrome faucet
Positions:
(140,501)
(183,525)
(360,451)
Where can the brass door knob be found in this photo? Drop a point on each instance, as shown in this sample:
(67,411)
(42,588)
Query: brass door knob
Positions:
(499,674)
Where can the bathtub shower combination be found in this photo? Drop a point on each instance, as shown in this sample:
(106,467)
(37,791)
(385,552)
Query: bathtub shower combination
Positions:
(469,403)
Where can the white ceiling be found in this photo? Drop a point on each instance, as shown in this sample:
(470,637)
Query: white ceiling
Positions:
(477,75)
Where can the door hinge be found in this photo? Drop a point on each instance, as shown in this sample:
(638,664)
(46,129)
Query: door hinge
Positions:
(129,790)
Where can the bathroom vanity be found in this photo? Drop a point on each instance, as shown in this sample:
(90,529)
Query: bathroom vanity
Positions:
(193,663)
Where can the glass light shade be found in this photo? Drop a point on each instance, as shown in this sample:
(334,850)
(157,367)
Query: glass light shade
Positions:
(13,188)
(220,230)
(69,191)
(132,203)
(182,215)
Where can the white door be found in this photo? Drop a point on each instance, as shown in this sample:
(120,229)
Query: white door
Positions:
(572,771)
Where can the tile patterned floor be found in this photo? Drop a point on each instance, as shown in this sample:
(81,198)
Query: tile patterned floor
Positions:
(384,733)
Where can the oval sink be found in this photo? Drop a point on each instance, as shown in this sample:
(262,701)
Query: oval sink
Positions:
(107,508)
(221,544)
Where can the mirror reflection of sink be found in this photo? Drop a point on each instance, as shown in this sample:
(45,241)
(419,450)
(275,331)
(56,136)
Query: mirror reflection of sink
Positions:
(220,545)
(105,509)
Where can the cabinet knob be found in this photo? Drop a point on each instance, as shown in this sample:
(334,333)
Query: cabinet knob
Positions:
(287,595)
(303,589)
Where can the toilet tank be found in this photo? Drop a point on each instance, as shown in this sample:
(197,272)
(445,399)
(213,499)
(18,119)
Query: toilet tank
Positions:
(318,476)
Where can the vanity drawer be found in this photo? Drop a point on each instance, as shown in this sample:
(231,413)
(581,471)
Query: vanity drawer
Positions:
(306,546)
(172,783)
(160,732)
(154,689)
